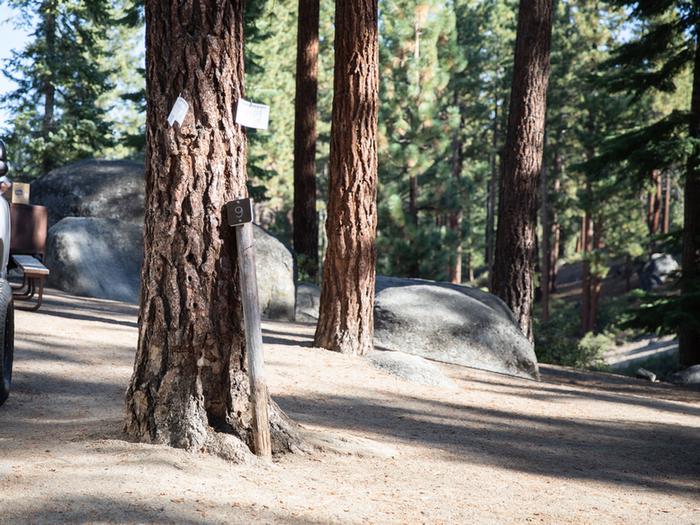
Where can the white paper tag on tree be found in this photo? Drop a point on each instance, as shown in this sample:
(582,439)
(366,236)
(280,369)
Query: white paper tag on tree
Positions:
(252,115)
(179,112)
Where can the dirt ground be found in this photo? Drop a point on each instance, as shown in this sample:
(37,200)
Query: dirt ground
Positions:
(574,448)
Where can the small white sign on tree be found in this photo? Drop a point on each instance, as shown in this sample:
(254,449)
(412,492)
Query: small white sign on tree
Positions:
(252,115)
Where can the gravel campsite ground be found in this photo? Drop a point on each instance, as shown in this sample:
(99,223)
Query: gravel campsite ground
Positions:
(573,448)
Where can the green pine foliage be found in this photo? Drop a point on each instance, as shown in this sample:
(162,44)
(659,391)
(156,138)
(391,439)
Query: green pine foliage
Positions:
(656,66)
(126,100)
(618,108)
(443,70)
(60,77)
(270,69)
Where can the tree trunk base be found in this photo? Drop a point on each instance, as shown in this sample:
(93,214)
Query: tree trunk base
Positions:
(194,436)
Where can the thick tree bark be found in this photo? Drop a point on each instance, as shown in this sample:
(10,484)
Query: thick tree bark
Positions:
(305,221)
(688,334)
(346,318)
(189,388)
(514,261)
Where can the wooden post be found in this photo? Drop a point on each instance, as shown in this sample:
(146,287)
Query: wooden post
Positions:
(253,338)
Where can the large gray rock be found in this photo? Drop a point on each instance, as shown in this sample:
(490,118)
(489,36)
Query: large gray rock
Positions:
(689,376)
(96,257)
(657,271)
(410,368)
(308,301)
(274,265)
(441,321)
(451,324)
(108,189)
(102,258)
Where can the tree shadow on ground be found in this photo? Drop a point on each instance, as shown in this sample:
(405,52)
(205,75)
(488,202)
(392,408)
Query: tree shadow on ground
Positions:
(42,404)
(552,393)
(59,304)
(278,337)
(172,509)
(56,312)
(649,455)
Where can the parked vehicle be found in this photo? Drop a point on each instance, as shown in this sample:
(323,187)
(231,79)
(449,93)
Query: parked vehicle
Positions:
(7,314)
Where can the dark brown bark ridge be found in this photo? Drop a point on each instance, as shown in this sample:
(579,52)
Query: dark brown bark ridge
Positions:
(515,238)
(305,134)
(189,388)
(346,319)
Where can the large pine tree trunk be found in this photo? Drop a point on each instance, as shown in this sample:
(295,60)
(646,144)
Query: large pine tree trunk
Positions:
(346,318)
(189,388)
(689,335)
(515,237)
(305,222)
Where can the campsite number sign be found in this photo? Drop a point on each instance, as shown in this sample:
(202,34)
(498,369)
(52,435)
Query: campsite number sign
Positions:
(239,212)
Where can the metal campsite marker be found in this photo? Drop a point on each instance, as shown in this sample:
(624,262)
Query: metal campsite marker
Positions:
(239,214)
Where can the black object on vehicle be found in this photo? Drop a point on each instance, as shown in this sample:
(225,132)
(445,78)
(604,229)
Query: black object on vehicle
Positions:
(4,167)
(7,339)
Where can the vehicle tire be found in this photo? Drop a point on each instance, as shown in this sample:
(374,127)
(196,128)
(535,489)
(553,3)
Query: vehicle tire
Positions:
(7,339)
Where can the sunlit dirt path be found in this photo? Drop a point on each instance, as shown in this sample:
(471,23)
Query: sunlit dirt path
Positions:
(574,448)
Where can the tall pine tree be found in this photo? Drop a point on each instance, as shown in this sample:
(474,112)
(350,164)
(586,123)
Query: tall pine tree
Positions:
(56,117)
(656,60)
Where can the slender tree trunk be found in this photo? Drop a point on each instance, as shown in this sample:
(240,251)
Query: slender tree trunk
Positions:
(546,232)
(492,191)
(456,215)
(628,272)
(688,334)
(47,124)
(517,213)
(346,317)
(591,282)
(305,221)
(654,207)
(414,264)
(189,388)
(468,239)
(579,239)
(595,282)
(470,267)
(667,204)
(455,270)
(538,267)
(586,278)
(555,229)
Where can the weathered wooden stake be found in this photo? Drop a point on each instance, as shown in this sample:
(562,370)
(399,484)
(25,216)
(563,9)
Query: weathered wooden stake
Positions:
(253,337)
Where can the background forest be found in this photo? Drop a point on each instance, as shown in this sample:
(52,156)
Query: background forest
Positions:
(615,145)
